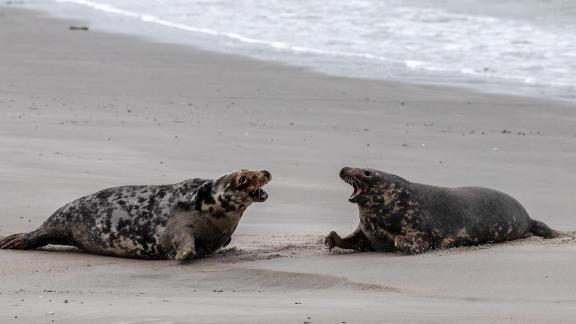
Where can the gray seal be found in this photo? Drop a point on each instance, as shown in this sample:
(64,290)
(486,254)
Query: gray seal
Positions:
(397,215)
(193,218)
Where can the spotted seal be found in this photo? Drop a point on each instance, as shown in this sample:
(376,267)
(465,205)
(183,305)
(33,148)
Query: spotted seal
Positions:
(397,215)
(193,218)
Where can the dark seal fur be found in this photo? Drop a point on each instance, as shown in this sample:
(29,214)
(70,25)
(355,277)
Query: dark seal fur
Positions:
(397,215)
(193,218)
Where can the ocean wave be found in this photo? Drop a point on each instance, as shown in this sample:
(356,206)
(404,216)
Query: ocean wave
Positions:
(387,34)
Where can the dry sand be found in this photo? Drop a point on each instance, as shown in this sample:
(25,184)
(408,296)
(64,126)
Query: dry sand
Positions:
(84,110)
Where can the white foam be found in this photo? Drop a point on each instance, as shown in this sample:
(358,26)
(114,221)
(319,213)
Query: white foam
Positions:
(385,34)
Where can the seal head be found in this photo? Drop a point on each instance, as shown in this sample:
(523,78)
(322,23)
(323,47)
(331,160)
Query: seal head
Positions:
(234,191)
(369,183)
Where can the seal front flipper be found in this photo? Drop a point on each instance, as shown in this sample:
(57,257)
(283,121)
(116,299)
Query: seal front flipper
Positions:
(355,241)
(180,244)
(178,241)
(227,242)
(185,249)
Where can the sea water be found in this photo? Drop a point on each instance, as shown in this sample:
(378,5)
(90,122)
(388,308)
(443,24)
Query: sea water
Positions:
(510,46)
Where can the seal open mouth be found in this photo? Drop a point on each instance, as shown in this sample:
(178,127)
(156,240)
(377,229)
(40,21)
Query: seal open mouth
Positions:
(358,188)
(251,183)
(259,195)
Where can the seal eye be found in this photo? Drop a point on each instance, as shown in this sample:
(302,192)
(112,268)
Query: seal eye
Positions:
(242,180)
(367,173)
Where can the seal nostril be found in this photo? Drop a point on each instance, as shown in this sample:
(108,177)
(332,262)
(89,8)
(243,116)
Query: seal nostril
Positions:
(266,173)
(343,171)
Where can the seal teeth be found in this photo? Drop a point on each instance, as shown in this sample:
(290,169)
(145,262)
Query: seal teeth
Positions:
(259,194)
(358,188)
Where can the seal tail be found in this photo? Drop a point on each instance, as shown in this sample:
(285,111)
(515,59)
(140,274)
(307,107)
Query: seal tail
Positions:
(540,229)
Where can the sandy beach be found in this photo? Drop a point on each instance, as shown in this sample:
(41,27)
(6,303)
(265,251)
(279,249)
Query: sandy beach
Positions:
(85,110)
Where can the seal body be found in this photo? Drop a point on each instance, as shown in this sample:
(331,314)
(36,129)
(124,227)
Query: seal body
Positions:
(192,218)
(397,215)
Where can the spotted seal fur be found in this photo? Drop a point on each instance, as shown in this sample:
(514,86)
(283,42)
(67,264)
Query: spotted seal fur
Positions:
(397,215)
(193,218)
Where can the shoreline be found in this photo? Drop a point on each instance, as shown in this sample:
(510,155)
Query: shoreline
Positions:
(164,33)
(86,110)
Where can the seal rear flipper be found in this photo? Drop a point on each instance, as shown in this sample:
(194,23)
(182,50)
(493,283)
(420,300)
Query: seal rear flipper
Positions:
(14,241)
(540,229)
(25,241)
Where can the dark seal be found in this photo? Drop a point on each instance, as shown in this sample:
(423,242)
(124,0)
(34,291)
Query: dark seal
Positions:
(193,218)
(397,215)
